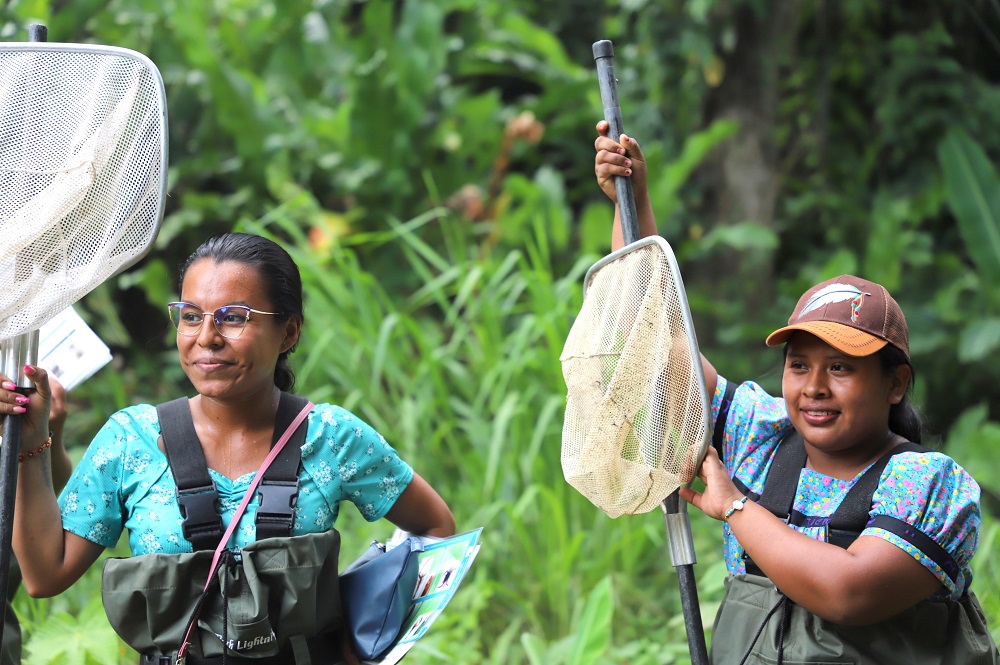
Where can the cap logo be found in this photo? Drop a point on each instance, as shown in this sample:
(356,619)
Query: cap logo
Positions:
(831,294)
(856,305)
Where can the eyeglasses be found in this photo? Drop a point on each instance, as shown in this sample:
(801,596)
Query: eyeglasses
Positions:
(229,320)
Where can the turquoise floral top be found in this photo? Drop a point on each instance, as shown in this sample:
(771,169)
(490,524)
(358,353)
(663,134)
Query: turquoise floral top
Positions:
(928,491)
(124,482)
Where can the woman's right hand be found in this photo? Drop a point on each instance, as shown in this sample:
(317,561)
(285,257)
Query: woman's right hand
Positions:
(719,492)
(622,158)
(33,408)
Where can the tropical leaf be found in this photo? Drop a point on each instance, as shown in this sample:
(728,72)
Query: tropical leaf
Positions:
(67,640)
(979,339)
(973,189)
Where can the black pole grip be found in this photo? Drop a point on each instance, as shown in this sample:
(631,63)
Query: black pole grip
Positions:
(38,32)
(692,615)
(604,55)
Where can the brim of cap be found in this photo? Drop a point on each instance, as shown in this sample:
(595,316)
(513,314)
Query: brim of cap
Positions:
(845,339)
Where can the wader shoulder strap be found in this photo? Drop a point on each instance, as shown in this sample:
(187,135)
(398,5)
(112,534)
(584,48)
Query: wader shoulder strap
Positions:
(196,493)
(718,434)
(782,481)
(279,489)
(778,494)
(851,516)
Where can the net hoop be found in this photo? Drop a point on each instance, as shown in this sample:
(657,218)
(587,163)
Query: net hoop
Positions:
(637,410)
(83,173)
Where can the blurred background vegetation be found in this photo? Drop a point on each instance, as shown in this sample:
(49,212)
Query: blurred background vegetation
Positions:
(429,163)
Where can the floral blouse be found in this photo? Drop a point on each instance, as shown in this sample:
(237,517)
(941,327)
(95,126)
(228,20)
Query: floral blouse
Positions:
(927,490)
(125,482)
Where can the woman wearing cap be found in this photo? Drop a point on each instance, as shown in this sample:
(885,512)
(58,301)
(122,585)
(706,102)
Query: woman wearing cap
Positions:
(844,541)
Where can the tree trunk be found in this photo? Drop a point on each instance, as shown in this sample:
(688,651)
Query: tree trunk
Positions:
(743,178)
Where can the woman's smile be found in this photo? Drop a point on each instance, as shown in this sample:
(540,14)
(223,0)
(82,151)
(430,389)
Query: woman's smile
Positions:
(838,403)
(818,417)
(211,364)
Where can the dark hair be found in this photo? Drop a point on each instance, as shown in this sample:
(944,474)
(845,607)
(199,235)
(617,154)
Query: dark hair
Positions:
(281,279)
(904,419)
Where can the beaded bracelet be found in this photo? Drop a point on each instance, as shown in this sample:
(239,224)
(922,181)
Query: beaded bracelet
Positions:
(737,505)
(36,451)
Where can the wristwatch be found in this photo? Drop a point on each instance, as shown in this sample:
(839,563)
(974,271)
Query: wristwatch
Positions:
(737,505)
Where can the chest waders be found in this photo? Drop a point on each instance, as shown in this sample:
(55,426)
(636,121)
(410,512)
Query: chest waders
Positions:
(758,625)
(275,602)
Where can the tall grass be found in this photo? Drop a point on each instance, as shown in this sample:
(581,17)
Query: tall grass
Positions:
(462,376)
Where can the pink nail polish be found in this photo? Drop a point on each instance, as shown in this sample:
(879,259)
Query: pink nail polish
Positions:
(628,171)
(22,400)
(621,151)
(28,369)
(19,409)
(8,385)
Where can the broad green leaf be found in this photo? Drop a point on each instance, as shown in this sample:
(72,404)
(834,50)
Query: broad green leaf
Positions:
(67,640)
(973,441)
(979,339)
(665,192)
(974,195)
(744,236)
(155,280)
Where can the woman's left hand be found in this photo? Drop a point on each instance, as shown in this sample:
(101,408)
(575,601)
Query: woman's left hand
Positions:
(720,491)
(33,408)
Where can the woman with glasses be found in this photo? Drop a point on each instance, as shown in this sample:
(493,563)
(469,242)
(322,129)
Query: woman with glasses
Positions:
(238,318)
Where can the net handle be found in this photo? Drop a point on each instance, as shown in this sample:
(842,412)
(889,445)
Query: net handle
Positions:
(678,525)
(604,56)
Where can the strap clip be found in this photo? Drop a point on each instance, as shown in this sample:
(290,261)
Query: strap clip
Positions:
(198,508)
(277,502)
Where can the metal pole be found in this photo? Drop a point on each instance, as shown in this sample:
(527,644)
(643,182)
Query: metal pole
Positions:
(15,353)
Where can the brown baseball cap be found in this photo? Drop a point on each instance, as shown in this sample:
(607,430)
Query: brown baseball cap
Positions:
(851,314)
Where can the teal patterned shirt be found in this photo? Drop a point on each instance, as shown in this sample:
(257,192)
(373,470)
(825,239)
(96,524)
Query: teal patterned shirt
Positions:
(928,491)
(124,482)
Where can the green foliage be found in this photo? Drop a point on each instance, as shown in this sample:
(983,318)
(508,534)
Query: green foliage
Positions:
(987,572)
(81,639)
(591,637)
(974,440)
(72,627)
(429,164)
(974,195)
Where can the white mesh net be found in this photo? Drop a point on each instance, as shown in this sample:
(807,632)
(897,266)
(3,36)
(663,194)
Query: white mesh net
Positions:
(636,412)
(82,162)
